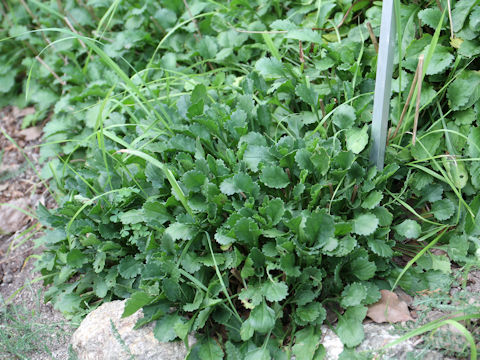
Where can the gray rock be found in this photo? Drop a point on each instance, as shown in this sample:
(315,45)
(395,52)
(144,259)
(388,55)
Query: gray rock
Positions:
(332,343)
(379,335)
(376,336)
(95,339)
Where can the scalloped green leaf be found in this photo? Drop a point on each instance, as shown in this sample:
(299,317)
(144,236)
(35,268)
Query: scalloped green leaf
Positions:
(440,61)
(430,16)
(344,116)
(193,180)
(350,328)
(274,177)
(275,291)
(380,247)
(363,269)
(307,94)
(353,294)
(262,318)
(356,139)
(408,229)
(443,209)
(270,67)
(365,224)
(307,341)
(372,200)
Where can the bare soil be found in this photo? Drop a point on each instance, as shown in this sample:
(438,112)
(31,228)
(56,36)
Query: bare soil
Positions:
(20,288)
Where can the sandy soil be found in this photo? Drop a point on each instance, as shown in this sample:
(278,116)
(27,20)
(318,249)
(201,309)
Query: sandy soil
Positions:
(19,285)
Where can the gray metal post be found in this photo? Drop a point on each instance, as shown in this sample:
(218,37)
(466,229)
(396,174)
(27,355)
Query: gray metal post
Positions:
(383,84)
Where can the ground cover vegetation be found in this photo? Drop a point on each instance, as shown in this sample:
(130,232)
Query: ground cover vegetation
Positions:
(213,158)
(23,332)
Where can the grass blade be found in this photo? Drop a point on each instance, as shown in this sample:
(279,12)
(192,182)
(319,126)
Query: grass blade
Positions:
(420,253)
(171,179)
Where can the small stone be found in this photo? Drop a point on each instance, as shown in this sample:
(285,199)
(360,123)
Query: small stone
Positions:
(7,279)
(95,338)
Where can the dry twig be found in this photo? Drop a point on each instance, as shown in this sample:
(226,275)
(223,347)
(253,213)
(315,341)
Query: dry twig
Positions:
(372,36)
(199,34)
(69,24)
(40,60)
(407,102)
(439,5)
(419,91)
(302,58)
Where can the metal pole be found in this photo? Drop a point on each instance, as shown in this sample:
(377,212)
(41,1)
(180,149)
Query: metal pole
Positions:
(383,84)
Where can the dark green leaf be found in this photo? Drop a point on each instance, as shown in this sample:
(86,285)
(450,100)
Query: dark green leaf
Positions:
(275,291)
(350,328)
(307,94)
(353,295)
(319,228)
(76,258)
(443,209)
(363,269)
(129,267)
(138,300)
(210,350)
(307,341)
(262,318)
(164,328)
(258,354)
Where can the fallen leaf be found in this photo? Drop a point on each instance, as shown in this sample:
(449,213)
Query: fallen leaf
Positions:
(439,252)
(389,309)
(403,296)
(18,113)
(32,133)
(11,219)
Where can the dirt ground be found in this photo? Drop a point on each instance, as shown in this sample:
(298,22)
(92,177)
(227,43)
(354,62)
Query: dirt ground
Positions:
(20,289)
(19,286)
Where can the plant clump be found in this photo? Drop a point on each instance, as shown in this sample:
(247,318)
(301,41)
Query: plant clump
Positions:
(218,175)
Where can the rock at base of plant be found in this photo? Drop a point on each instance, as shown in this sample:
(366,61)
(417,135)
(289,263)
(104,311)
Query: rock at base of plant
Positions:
(376,337)
(104,335)
(379,335)
(332,343)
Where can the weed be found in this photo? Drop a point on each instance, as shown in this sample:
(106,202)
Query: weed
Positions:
(24,331)
(449,320)
(223,171)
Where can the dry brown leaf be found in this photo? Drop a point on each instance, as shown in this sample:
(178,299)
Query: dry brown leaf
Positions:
(12,219)
(32,133)
(403,296)
(389,309)
(19,113)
